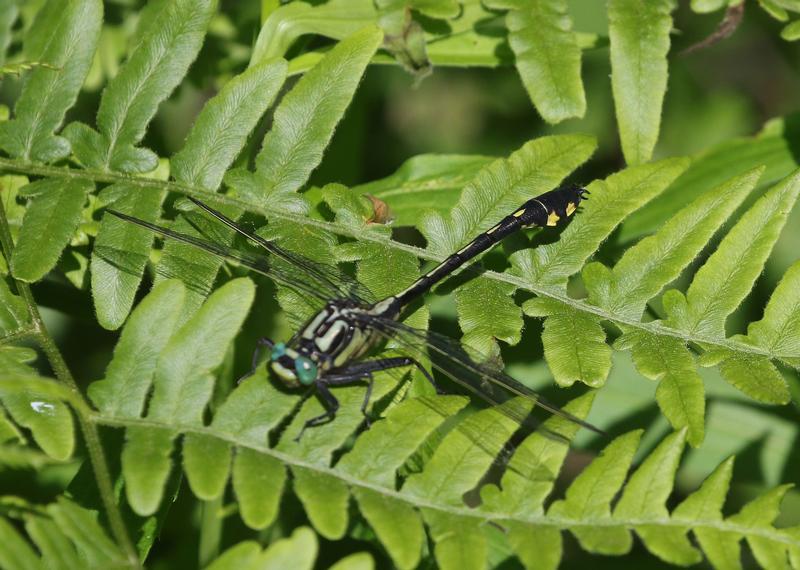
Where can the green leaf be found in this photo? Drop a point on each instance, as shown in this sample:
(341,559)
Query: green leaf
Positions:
(57,551)
(779,330)
(13,309)
(222,127)
(351,209)
(380,451)
(65,534)
(16,552)
(398,526)
(548,57)
(480,298)
(770,148)
(753,374)
(48,419)
(645,496)
(83,529)
(574,343)
(657,260)
(706,6)
(791,32)
(304,122)
(247,416)
(722,550)
(63,35)
(589,497)
(170,37)
(120,254)
(325,499)
(458,463)
(50,220)
(774,9)
(216,138)
(357,561)
(639,33)
(475,38)
(757,515)
(9,12)
(460,542)
(130,373)
(611,201)
(258,481)
(182,388)
(424,182)
(680,393)
(242,556)
(725,279)
(500,187)
(533,469)
(318,444)
(298,551)
(195,267)
(537,547)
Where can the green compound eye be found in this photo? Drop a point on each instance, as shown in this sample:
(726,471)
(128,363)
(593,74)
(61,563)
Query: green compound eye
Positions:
(306,370)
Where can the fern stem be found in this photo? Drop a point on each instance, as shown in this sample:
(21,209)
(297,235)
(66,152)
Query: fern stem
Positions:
(221,200)
(91,434)
(18,336)
(540,519)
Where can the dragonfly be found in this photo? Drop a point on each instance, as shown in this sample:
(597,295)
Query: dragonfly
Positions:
(330,349)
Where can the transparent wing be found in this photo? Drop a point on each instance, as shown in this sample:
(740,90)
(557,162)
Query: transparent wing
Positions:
(470,370)
(282,273)
(309,279)
(337,284)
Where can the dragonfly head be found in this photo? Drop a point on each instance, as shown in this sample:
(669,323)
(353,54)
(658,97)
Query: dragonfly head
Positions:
(293,368)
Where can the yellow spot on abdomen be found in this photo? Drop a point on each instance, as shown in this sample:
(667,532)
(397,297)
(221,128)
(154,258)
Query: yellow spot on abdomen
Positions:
(519,212)
(552,219)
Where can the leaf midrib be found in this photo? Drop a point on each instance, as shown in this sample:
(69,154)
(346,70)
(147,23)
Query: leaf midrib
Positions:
(221,200)
(774,535)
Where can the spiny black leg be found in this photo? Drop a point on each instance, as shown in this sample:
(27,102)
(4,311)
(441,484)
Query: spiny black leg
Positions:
(260,344)
(427,375)
(367,396)
(331,405)
(356,373)
(385,364)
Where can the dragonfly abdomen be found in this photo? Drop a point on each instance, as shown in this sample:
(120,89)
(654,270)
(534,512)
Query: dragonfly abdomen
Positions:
(544,210)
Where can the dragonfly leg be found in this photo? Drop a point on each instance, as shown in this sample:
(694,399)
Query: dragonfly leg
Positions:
(387,363)
(351,375)
(357,372)
(365,403)
(330,403)
(260,344)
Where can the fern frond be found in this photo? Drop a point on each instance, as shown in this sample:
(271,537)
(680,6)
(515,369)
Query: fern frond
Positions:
(236,446)
(47,418)
(296,551)
(410,472)
(63,37)
(58,535)
(639,37)
(548,56)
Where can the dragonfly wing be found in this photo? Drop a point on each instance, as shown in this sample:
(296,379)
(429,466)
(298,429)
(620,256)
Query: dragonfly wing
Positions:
(469,369)
(262,264)
(337,283)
